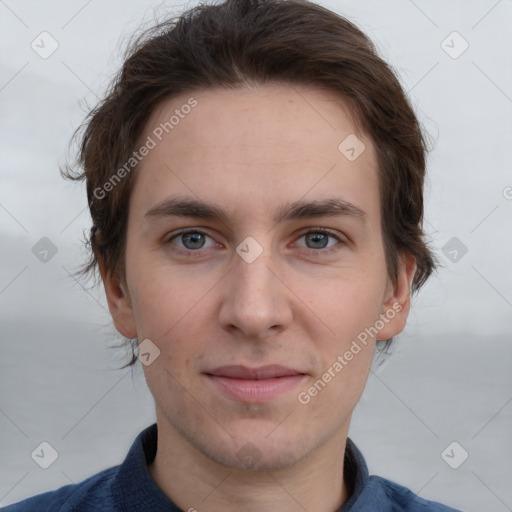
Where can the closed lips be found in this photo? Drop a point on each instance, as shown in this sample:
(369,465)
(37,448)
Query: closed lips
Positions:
(261,373)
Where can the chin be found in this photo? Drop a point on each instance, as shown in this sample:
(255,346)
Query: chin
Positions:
(251,458)
(258,451)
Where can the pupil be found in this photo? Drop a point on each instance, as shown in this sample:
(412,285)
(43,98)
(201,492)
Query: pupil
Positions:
(318,237)
(195,239)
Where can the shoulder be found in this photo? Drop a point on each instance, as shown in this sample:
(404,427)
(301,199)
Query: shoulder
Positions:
(379,494)
(402,499)
(92,494)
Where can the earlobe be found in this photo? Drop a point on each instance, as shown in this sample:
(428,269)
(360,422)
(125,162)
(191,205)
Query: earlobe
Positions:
(397,303)
(119,303)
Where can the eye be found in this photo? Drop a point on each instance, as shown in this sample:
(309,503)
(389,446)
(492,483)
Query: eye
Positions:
(191,240)
(317,240)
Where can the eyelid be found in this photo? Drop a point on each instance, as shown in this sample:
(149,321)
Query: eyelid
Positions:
(318,229)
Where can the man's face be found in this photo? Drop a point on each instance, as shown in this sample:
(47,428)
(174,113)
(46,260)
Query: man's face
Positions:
(251,290)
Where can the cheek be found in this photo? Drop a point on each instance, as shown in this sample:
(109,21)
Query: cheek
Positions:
(331,398)
(346,353)
(348,302)
(353,311)
(163,297)
(180,354)
(173,321)
(350,310)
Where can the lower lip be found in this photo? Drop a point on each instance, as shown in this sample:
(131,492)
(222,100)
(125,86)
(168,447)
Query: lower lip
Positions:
(255,390)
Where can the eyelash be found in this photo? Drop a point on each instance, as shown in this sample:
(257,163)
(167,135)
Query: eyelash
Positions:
(316,252)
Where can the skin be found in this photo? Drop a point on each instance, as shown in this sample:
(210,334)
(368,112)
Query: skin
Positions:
(251,150)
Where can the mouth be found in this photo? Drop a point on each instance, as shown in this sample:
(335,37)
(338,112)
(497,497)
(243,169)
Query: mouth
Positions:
(252,385)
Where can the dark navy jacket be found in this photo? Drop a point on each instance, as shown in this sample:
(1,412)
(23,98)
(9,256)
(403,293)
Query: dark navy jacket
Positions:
(129,487)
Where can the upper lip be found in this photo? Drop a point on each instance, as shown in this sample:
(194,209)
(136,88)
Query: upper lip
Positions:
(260,373)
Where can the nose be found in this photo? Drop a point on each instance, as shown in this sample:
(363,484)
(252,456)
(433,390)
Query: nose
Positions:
(256,304)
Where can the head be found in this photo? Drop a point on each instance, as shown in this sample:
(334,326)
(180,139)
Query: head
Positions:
(274,133)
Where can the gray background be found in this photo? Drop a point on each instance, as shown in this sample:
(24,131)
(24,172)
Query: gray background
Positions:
(449,377)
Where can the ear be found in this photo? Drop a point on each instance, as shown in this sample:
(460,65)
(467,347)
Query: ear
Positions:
(118,302)
(397,302)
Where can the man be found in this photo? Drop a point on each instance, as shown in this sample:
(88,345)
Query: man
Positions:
(255,182)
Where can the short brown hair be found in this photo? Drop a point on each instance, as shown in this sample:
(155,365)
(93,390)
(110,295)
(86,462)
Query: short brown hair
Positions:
(242,42)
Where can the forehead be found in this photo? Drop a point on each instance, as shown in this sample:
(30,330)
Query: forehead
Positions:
(256,147)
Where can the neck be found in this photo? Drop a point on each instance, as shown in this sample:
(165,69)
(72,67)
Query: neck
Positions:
(194,482)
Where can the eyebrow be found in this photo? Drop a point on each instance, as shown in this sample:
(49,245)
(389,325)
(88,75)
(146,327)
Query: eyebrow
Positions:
(189,207)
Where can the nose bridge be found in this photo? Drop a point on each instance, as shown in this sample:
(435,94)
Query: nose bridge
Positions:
(253,276)
(256,301)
